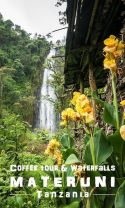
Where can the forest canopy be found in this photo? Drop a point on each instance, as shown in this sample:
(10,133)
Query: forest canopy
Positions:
(21,60)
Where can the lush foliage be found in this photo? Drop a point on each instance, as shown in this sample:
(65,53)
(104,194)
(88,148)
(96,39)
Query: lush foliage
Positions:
(79,141)
(56,65)
(21,63)
(21,60)
(85,143)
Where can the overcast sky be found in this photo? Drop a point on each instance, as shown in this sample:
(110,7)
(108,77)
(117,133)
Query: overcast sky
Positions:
(34,16)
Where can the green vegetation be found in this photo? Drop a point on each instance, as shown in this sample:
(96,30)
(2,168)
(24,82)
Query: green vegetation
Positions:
(82,138)
(21,60)
(21,63)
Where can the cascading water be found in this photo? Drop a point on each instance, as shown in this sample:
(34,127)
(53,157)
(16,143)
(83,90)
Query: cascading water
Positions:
(47,118)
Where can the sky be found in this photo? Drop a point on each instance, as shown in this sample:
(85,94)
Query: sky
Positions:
(34,16)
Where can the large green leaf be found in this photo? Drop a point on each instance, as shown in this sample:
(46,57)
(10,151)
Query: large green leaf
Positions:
(67,152)
(102,148)
(109,114)
(116,141)
(73,205)
(66,141)
(19,201)
(72,159)
(87,156)
(120,197)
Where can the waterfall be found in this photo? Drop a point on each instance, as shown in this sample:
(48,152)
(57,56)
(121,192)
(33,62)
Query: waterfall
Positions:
(47,118)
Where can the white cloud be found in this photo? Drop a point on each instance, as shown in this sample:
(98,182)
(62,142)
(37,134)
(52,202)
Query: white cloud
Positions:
(34,16)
